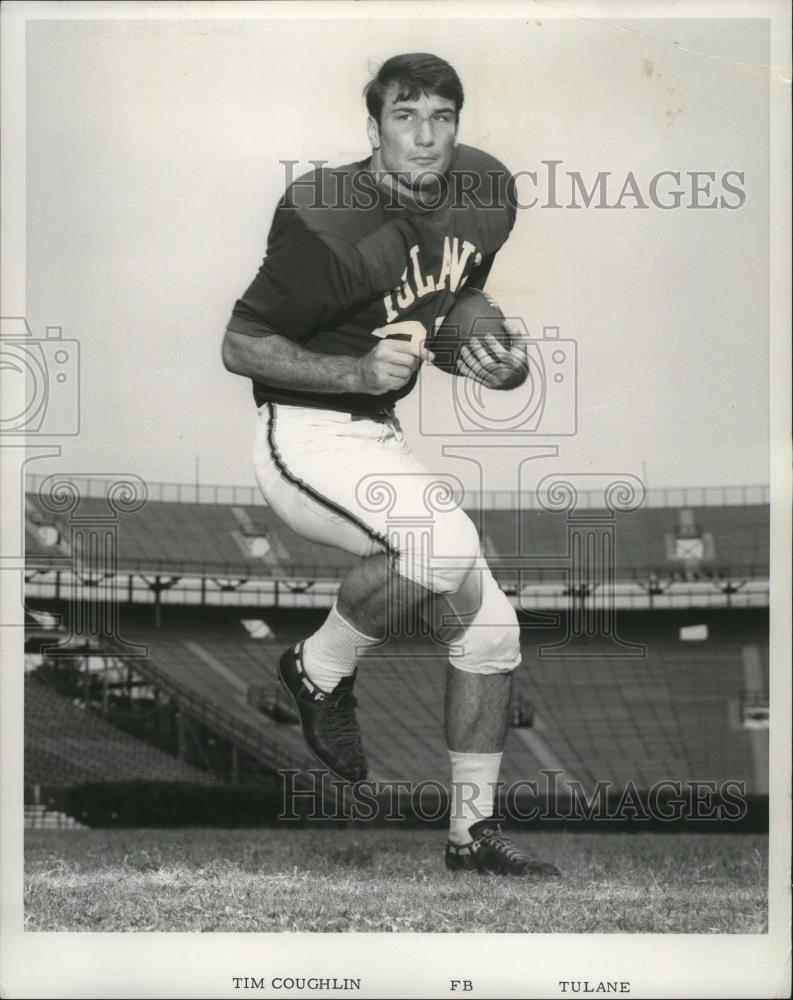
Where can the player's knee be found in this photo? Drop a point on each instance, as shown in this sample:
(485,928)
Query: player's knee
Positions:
(442,566)
(491,643)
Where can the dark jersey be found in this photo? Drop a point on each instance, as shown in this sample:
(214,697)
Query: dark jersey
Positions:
(347,256)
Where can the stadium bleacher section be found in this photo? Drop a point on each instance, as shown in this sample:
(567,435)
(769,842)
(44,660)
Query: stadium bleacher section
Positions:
(175,537)
(66,744)
(737,537)
(675,713)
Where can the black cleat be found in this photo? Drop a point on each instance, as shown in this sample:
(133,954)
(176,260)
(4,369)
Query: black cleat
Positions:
(328,719)
(491,853)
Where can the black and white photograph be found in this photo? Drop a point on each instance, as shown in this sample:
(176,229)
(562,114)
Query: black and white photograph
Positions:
(396,489)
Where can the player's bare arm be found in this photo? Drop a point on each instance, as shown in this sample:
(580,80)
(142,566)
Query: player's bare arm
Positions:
(280,361)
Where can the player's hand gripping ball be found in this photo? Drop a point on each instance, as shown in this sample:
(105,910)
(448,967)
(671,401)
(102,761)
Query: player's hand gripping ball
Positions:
(476,341)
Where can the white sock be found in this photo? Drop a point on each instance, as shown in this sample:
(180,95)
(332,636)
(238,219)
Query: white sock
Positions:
(474,777)
(331,653)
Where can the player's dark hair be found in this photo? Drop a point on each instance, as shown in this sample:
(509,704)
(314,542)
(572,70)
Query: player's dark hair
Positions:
(415,73)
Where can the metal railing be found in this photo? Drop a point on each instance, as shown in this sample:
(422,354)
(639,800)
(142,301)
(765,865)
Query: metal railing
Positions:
(239,570)
(271,752)
(217,493)
(296,577)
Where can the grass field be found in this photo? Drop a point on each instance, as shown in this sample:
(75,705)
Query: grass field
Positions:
(388,880)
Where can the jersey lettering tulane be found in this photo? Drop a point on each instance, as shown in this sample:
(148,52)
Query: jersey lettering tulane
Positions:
(347,256)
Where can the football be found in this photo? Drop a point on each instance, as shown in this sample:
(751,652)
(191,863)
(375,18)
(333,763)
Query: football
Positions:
(473,315)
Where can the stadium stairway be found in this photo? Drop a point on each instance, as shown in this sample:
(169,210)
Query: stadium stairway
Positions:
(38,816)
(209,684)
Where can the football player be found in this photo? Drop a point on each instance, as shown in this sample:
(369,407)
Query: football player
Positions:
(362,262)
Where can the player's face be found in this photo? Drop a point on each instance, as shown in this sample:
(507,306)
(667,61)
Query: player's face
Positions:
(414,139)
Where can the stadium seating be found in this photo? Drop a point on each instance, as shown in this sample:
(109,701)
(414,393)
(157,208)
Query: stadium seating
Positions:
(670,714)
(674,713)
(66,745)
(664,717)
(172,537)
(220,539)
(739,534)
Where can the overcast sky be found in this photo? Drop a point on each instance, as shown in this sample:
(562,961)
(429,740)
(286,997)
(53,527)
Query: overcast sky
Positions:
(153,152)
